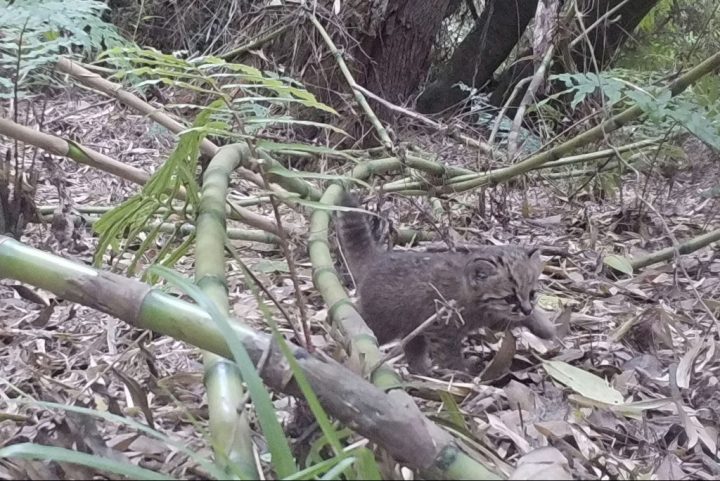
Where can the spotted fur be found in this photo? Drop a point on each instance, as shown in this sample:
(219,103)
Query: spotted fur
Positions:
(491,286)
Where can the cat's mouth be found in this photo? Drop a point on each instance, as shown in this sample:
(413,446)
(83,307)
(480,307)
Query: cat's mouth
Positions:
(519,316)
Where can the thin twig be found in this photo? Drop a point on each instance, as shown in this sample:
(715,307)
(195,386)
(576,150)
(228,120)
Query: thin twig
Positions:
(382,133)
(257,42)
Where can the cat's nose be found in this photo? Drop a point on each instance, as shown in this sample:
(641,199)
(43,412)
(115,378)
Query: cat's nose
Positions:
(526,308)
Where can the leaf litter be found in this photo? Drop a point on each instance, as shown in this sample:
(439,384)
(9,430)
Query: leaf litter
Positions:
(630,391)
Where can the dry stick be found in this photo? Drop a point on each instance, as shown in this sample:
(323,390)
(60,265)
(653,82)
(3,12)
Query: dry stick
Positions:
(482,146)
(503,111)
(384,137)
(257,42)
(285,245)
(582,35)
(415,333)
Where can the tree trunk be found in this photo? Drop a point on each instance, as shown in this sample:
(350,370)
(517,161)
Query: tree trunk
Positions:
(485,47)
(398,56)
(614,30)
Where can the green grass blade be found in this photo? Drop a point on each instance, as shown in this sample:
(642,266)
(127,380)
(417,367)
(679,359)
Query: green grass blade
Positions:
(37,451)
(313,402)
(339,468)
(202,461)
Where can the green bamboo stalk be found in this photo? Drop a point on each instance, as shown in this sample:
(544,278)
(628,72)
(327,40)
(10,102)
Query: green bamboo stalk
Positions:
(390,420)
(78,153)
(228,420)
(670,252)
(292,184)
(600,154)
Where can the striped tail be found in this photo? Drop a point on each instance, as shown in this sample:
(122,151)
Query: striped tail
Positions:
(357,241)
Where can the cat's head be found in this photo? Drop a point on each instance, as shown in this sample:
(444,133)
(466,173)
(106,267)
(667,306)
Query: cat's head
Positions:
(503,281)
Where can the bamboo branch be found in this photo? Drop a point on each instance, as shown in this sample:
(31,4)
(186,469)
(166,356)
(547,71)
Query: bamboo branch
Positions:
(503,174)
(535,83)
(87,156)
(228,422)
(482,146)
(671,252)
(596,133)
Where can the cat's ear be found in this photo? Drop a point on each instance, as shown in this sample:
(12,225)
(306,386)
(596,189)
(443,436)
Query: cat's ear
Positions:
(533,253)
(480,268)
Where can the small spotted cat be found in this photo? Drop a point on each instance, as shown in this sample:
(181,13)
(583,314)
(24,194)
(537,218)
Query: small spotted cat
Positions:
(492,287)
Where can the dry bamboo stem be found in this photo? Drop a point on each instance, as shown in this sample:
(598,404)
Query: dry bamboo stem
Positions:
(670,252)
(84,155)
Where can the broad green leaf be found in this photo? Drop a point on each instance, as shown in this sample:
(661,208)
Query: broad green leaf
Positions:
(619,263)
(583,382)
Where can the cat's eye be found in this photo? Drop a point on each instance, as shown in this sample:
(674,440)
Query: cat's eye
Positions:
(533,293)
(511,299)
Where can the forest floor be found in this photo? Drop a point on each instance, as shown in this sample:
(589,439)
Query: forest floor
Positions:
(635,331)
